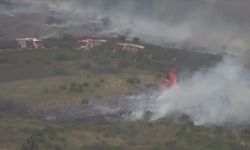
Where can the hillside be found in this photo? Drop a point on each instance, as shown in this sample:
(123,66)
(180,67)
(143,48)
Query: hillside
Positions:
(124,75)
(49,98)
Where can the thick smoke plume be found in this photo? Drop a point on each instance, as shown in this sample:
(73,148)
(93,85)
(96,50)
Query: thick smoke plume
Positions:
(206,23)
(218,96)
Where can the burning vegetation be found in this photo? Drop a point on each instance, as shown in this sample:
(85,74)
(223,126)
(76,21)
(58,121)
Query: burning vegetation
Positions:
(88,75)
(170,79)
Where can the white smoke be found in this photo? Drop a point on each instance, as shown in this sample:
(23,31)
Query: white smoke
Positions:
(204,23)
(217,96)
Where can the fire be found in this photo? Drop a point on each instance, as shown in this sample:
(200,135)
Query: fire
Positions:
(171,79)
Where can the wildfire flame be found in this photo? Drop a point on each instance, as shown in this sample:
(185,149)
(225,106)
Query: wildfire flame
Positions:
(170,80)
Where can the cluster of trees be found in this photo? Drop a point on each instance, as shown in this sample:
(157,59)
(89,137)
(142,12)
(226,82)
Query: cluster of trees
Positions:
(134,80)
(123,38)
(44,139)
(75,87)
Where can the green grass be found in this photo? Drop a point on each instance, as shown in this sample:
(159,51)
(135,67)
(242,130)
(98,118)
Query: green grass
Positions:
(20,133)
(53,90)
(48,77)
(35,64)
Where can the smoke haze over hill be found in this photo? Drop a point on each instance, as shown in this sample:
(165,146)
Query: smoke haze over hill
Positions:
(217,96)
(206,23)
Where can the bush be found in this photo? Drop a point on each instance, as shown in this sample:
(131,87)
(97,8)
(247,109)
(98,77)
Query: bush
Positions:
(102,80)
(60,72)
(97,85)
(63,87)
(102,146)
(147,115)
(44,139)
(106,22)
(85,101)
(134,80)
(86,84)
(73,85)
(136,40)
(61,57)
(52,20)
(121,38)
(86,66)
(3,60)
(46,91)
(102,60)
(76,87)
(123,64)
(67,37)
(10,106)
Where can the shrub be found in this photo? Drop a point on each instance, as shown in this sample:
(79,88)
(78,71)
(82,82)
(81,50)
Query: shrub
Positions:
(60,72)
(44,139)
(106,22)
(10,106)
(3,60)
(134,80)
(52,20)
(102,146)
(121,38)
(123,64)
(76,87)
(28,61)
(147,115)
(85,101)
(63,87)
(45,91)
(61,57)
(73,86)
(102,60)
(136,40)
(102,80)
(86,66)
(97,85)
(86,84)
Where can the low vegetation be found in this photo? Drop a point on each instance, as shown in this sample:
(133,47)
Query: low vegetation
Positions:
(32,134)
(38,79)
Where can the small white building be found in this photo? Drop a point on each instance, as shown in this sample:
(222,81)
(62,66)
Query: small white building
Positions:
(129,47)
(30,43)
(90,43)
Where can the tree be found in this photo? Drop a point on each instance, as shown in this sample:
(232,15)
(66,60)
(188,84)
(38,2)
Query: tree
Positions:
(121,38)
(136,40)
(106,22)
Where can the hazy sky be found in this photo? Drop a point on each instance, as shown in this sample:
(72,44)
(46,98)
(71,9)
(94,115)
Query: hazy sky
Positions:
(209,23)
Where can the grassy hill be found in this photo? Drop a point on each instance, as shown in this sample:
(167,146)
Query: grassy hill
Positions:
(33,80)
(45,77)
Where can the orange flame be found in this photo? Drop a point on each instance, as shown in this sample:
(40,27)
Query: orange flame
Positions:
(170,80)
